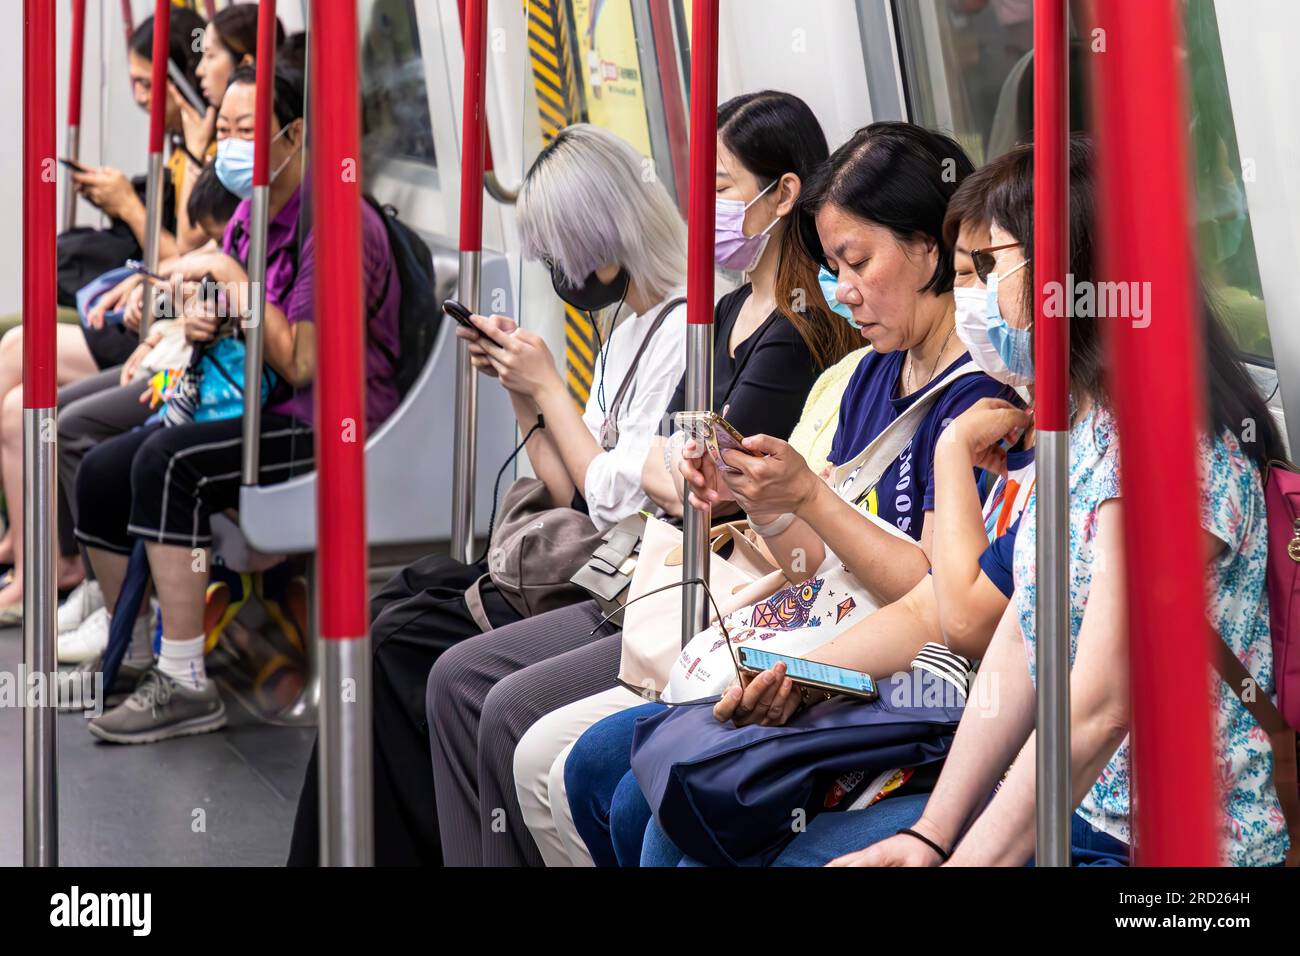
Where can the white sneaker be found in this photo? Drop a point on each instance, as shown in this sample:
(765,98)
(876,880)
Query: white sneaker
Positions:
(86,598)
(86,641)
(90,640)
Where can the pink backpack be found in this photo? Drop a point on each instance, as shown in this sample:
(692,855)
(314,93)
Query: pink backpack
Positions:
(1282,497)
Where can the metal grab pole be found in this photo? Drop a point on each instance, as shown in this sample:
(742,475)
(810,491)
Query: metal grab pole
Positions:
(162,27)
(1158,387)
(1051,254)
(257,226)
(40,433)
(699,285)
(347,813)
(473,143)
(72,142)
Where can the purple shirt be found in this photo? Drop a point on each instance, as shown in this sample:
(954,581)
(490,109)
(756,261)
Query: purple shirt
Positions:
(281,241)
(290,285)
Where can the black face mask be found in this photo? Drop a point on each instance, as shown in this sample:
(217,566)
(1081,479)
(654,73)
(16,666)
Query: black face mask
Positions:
(593,295)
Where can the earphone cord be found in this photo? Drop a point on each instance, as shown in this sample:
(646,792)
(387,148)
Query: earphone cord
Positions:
(600,347)
(496,487)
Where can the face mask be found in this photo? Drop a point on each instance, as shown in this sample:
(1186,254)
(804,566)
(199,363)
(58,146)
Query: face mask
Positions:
(732,249)
(593,295)
(830,282)
(973,330)
(1014,346)
(235,164)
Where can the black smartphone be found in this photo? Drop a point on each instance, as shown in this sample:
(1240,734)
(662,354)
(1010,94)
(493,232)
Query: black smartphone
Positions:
(183,85)
(74,165)
(461,315)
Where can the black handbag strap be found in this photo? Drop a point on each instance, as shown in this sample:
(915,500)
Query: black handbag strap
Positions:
(630,378)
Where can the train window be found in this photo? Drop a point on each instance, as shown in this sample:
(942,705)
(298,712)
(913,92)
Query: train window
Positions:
(394,101)
(968,69)
(1224,237)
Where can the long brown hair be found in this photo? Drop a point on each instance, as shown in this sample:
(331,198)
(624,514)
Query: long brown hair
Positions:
(774,133)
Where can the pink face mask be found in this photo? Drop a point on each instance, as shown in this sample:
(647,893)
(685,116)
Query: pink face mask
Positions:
(732,249)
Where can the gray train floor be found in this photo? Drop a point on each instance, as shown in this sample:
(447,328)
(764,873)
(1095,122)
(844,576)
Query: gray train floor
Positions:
(219,799)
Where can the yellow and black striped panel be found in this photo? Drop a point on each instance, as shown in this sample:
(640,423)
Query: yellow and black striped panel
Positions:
(557,106)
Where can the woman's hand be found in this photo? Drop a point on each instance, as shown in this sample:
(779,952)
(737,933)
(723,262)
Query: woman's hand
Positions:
(768,699)
(108,189)
(133,362)
(134,308)
(773,479)
(200,316)
(978,431)
(898,850)
(198,128)
(114,299)
(522,361)
(703,477)
(498,326)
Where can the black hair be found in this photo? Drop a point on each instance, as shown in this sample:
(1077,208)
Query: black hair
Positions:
(293,51)
(1232,397)
(186,25)
(209,199)
(897,175)
(236,28)
(286,99)
(773,133)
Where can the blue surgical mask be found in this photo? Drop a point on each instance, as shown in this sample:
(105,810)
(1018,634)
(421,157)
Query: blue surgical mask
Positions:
(235,164)
(829,283)
(1014,346)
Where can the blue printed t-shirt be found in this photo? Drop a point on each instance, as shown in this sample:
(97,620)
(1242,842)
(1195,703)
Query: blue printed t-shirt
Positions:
(1233,511)
(905,491)
(1002,514)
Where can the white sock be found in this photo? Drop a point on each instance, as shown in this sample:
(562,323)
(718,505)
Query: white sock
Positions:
(183,661)
(141,648)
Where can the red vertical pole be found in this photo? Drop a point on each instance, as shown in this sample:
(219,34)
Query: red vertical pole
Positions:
(699,283)
(341,590)
(162,28)
(1051,400)
(473,149)
(128,22)
(1158,388)
(487,138)
(665,40)
(265,92)
(76,58)
(72,144)
(40,814)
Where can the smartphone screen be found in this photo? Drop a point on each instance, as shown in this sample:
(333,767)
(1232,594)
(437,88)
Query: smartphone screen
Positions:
(797,668)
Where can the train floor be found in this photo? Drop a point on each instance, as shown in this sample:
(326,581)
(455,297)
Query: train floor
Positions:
(220,799)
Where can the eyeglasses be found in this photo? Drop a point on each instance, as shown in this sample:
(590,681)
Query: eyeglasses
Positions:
(984,261)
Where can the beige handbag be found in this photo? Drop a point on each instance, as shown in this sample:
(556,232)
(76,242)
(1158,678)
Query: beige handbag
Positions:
(652,628)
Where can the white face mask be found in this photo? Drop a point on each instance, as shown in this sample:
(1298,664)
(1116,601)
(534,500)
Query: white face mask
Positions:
(973,330)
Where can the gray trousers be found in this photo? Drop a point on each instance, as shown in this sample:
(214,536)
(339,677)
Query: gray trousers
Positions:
(483,695)
(92,410)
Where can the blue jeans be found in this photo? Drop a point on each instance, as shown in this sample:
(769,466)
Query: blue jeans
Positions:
(609,812)
(831,835)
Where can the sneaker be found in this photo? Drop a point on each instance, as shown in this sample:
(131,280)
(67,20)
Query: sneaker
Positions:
(86,598)
(128,675)
(161,708)
(89,640)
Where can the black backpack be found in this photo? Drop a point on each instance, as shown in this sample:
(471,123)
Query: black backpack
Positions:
(419,318)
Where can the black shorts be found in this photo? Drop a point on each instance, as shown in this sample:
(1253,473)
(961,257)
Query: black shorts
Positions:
(163,483)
